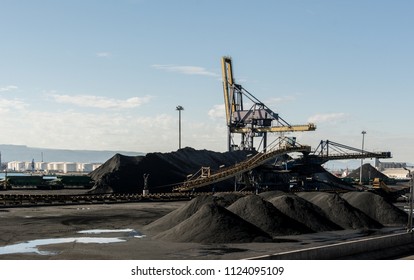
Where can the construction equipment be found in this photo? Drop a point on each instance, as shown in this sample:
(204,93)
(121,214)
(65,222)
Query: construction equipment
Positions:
(256,121)
(392,194)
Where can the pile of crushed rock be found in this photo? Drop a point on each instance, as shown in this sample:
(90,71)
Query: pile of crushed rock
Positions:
(236,218)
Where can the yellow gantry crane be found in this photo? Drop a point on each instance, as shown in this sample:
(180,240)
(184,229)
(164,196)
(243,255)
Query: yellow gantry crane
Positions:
(256,121)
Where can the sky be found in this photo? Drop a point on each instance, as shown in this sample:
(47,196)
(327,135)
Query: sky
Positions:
(108,75)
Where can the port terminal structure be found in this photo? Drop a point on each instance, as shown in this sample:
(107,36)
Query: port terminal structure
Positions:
(254,122)
(258,121)
(329,150)
(205,176)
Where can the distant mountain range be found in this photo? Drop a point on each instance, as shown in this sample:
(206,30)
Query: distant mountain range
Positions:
(24,153)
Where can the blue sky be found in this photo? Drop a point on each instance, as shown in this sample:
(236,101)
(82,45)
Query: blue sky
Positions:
(108,75)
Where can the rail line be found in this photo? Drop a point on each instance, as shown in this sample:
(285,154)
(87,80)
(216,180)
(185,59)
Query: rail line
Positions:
(38,200)
(30,200)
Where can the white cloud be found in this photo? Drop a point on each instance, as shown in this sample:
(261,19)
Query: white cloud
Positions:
(11,104)
(8,88)
(274,101)
(188,70)
(327,118)
(128,130)
(217,112)
(100,102)
(103,54)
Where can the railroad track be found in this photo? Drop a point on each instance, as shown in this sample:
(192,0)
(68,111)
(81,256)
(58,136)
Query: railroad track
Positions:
(31,200)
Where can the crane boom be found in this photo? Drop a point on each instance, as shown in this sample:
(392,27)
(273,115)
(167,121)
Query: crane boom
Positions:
(256,121)
(227,71)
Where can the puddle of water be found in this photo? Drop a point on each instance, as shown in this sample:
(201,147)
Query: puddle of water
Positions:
(129,231)
(31,246)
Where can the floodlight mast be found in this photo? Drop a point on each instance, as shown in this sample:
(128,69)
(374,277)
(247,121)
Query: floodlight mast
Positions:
(257,121)
(179,108)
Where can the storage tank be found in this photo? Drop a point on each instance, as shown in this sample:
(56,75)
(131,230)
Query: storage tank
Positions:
(69,167)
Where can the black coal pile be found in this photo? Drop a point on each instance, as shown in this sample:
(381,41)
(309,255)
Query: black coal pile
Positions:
(214,224)
(215,219)
(265,216)
(177,216)
(339,211)
(376,207)
(301,210)
(368,172)
(124,174)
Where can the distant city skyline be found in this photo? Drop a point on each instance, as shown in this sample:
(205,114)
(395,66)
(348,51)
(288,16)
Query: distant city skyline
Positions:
(108,75)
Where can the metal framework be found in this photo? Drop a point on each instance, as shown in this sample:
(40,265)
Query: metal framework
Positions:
(329,150)
(256,121)
(281,146)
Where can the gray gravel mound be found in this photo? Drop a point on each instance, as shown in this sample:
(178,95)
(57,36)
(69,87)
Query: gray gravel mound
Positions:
(376,207)
(214,224)
(265,216)
(339,211)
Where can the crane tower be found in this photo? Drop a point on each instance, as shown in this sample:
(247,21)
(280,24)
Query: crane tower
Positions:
(254,122)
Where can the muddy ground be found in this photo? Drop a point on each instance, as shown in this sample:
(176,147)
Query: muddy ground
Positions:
(21,225)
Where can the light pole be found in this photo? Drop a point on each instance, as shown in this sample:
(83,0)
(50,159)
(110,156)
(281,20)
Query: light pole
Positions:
(179,109)
(362,159)
(410,214)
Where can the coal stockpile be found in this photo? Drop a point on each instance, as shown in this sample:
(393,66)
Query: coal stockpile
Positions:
(368,172)
(302,211)
(376,207)
(271,220)
(214,224)
(124,174)
(339,211)
(262,218)
(183,213)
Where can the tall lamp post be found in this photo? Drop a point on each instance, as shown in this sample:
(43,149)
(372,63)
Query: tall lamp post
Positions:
(410,214)
(179,109)
(362,160)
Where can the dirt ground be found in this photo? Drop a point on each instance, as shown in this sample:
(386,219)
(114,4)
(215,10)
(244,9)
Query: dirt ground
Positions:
(124,223)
